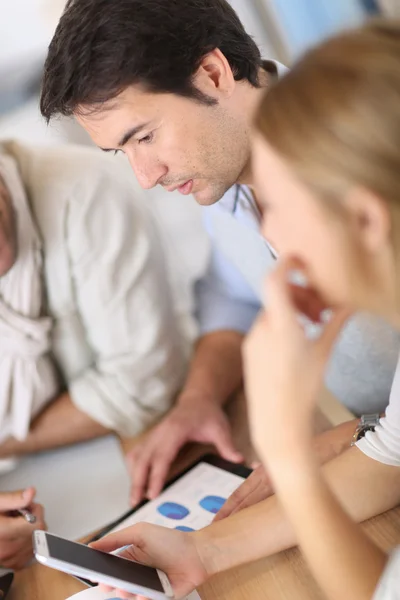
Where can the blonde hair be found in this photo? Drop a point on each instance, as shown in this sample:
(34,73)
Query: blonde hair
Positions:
(335,117)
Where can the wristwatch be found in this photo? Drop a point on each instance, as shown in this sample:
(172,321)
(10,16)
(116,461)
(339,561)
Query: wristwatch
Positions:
(367,423)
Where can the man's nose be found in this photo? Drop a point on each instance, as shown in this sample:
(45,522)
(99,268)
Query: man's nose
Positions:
(147,173)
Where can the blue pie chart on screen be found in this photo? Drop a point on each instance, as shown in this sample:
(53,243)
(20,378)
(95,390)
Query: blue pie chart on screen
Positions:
(212,503)
(184,528)
(172,510)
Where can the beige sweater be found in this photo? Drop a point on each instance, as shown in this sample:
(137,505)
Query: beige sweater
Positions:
(115,337)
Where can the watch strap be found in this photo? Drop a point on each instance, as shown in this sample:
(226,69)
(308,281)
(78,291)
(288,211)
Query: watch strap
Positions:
(367,423)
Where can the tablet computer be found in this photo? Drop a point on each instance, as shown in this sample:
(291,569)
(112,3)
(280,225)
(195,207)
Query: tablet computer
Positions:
(190,500)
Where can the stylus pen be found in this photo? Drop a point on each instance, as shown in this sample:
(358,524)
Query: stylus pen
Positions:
(28,516)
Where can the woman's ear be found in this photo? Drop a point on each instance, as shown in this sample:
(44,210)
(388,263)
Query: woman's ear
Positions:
(370,218)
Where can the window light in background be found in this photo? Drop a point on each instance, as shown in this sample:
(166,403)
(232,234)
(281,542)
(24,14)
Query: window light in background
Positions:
(304,23)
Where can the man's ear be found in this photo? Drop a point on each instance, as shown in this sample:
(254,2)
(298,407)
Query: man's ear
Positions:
(214,76)
(370,217)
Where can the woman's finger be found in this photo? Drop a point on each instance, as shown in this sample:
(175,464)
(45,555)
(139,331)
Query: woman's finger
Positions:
(279,295)
(113,541)
(328,337)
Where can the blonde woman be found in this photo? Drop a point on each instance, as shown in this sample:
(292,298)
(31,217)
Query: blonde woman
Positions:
(338,194)
(327,170)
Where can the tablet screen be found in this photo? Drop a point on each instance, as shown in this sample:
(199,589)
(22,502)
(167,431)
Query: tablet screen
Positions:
(189,503)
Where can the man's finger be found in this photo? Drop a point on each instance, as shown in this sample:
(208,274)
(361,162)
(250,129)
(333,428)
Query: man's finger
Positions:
(159,469)
(139,475)
(222,440)
(15,500)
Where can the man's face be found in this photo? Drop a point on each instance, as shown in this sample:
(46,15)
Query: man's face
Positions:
(8,235)
(175,142)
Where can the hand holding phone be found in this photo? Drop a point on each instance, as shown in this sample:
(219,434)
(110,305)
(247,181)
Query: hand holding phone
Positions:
(177,553)
(117,572)
(177,550)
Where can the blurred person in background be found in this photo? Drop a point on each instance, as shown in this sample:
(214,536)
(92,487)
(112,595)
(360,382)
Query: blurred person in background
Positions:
(90,341)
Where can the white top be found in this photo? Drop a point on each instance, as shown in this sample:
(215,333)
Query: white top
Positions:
(115,337)
(389,584)
(383,444)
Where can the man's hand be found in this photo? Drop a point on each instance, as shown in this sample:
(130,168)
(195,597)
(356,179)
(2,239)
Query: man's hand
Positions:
(174,552)
(257,487)
(199,420)
(16,532)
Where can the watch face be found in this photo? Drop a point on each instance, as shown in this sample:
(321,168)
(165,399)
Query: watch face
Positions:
(364,431)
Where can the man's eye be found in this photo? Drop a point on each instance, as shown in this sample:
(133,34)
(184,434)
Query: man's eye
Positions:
(146,139)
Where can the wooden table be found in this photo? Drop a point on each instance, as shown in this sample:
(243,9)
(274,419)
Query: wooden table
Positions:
(279,577)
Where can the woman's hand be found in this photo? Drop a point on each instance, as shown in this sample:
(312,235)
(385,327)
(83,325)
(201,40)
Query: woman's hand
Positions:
(283,368)
(174,552)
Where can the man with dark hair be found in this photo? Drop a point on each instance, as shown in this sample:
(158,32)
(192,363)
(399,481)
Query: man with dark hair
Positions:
(174,84)
(144,50)
(158,49)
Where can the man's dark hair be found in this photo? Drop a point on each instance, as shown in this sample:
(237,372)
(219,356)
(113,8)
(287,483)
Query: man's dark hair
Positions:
(101,47)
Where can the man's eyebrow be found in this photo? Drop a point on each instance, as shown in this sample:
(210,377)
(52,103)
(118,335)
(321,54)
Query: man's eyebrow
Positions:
(127,136)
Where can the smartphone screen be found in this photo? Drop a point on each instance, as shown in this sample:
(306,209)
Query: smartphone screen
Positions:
(106,564)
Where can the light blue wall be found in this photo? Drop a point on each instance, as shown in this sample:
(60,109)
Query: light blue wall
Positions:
(306,22)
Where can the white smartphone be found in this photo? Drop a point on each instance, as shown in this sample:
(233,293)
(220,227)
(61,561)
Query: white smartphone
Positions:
(82,561)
